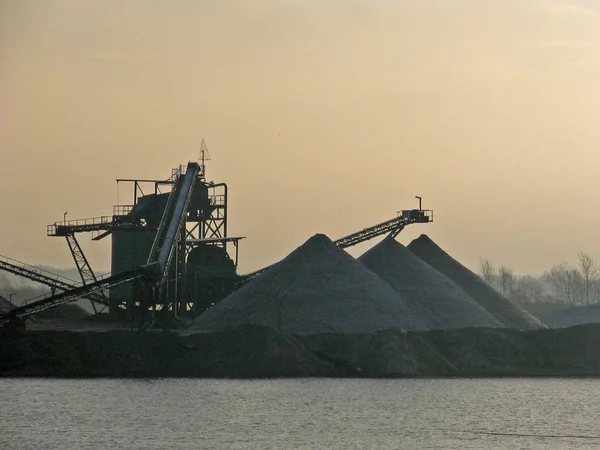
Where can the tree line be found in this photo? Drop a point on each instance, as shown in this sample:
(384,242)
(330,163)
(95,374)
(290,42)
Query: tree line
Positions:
(564,283)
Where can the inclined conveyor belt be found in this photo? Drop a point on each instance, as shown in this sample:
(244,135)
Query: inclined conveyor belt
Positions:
(50,301)
(173,219)
(52,280)
(392,227)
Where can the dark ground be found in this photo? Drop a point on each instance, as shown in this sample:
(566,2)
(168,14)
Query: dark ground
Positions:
(254,351)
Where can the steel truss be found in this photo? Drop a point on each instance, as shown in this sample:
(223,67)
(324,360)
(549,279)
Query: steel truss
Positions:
(85,270)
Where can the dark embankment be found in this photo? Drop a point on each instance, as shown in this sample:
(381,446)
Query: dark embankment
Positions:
(509,352)
(468,352)
(247,351)
(392,353)
(253,351)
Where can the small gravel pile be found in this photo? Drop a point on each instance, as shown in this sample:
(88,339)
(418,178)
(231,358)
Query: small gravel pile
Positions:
(570,317)
(64,311)
(502,308)
(437,300)
(4,305)
(317,288)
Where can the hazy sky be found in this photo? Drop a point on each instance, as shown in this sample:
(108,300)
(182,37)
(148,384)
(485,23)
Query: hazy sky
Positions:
(322,116)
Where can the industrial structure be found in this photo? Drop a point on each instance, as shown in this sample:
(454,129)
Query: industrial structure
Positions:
(171,256)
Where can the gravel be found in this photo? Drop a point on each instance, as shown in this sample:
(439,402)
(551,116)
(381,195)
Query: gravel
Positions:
(437,300)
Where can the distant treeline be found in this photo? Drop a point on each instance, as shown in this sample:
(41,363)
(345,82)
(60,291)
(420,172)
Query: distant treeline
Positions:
(562,285)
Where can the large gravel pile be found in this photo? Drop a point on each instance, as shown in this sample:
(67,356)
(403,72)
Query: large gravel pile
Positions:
(502,308)
(317,288)
(437,300)
(569,317)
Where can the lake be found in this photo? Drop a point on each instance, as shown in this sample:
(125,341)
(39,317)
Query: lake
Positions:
(299,414)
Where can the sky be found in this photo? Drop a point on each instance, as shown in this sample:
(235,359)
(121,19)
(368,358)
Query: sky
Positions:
(322,116)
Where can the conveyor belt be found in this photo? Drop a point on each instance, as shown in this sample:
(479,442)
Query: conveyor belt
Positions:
(173,219)
(392,226)
(50,301)
(45,277)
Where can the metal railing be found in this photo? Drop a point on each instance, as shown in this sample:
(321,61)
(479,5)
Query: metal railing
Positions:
(122,210)
(59,228)
(32,272)
(217,199)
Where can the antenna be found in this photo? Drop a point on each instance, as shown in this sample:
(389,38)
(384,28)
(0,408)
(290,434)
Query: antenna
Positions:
(203,156)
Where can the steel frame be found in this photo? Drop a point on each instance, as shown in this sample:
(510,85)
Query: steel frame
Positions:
(83,267)
(215,226)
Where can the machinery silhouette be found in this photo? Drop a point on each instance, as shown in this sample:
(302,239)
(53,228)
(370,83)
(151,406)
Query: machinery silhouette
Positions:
(171,256)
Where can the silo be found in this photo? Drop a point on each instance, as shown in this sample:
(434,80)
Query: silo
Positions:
(130,248)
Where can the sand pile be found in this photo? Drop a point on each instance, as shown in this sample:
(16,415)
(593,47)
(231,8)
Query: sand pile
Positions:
(64,311)
(317,288)
(569,317)
(502,308)
(437,300)
(4,305)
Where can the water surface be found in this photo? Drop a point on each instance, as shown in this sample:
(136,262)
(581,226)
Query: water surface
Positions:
(299,414)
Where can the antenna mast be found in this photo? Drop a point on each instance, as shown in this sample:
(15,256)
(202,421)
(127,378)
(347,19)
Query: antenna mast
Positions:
(203,157)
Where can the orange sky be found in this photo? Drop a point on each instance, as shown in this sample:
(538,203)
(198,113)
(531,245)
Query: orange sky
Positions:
(322,116)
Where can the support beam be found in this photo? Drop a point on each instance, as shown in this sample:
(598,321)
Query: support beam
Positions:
(83,267)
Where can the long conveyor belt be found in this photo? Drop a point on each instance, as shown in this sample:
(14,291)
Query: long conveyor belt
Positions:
(52,280)
(50,301)
(392,226)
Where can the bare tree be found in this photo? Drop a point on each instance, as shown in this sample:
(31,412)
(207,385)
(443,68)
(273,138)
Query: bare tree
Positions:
(507,281)
(487,271)
(566,282)
(588,270)
(532,289)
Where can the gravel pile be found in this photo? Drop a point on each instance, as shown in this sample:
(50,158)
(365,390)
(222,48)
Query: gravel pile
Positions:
(570,317)
(64,311)
(317,288)
(4,305)
(437,300)
(502,308)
